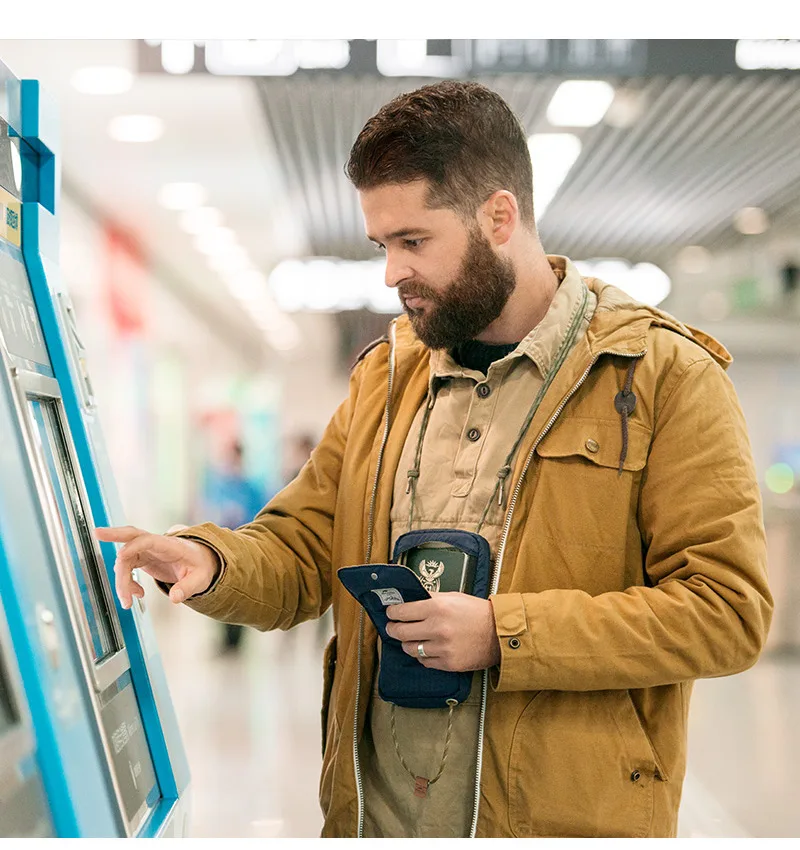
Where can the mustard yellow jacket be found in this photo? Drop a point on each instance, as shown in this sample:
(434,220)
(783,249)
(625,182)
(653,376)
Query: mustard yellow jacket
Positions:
(612,591)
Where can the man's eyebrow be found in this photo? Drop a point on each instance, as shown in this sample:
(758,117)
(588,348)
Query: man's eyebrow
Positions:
(400,234)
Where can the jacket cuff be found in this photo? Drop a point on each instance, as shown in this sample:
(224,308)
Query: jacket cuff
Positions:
(209,601)
(516,643)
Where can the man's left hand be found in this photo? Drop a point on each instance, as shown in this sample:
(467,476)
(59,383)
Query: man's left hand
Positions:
(456,630)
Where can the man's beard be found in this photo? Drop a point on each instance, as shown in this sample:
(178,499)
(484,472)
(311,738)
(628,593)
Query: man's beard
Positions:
(472,301)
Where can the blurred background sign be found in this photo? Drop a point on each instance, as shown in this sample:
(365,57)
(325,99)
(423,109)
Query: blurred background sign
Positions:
(618,57)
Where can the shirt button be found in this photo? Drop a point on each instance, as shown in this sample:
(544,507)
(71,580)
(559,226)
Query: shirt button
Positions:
(514,643)
(473,435)
(484,390)
(593,446)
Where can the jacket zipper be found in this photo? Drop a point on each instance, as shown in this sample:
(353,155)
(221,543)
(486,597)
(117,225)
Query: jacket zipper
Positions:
(370,529)
(501,552)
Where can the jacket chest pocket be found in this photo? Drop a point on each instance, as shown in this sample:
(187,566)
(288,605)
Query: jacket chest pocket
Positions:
(581,496)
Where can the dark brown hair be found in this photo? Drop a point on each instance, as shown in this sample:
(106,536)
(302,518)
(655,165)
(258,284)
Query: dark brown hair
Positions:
(462,137)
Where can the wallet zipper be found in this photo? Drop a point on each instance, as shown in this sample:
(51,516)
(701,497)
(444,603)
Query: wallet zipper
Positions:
(370,530)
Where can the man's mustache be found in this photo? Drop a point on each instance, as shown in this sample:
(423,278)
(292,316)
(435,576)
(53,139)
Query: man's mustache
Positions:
(416,291)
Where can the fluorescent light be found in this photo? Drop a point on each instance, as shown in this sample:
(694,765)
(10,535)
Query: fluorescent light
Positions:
(250,57)
(182,196)
(552,156)
(768,54)
(580,103)
(136,128)
(230,261)
(625,109)
(177,56)
(644,282)
(200,220)
(323,284)
(323,53)
(218,240)
(409,57)
(248,284)
(751,221)
(102,79)
(694,259)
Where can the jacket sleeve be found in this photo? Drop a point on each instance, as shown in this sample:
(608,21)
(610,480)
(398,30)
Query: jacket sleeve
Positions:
(708,610)
(276,570)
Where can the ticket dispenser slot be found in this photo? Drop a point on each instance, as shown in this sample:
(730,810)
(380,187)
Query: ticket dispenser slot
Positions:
(79,562)
(24,812)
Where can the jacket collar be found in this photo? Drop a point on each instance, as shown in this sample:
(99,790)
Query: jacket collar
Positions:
(619,324)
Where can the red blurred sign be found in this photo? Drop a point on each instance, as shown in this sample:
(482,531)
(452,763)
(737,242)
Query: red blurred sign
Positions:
(126,283)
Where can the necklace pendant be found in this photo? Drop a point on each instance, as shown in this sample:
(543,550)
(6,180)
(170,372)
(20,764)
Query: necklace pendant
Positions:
(420,786)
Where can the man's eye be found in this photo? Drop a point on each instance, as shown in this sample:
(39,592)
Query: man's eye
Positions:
(379,249)
(412,243)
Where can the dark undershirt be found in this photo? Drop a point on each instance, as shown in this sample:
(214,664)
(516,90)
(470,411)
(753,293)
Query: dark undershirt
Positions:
(480,355)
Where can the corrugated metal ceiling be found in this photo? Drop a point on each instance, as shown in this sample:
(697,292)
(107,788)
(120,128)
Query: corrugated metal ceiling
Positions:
(700,149)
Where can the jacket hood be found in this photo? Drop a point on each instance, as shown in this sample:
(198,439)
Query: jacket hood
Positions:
(621,320)
(620,323)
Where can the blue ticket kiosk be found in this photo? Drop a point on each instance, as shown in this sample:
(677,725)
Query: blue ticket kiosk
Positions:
(109,752)
(24,812)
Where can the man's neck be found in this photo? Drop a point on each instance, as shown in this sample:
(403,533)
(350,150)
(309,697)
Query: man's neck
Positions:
(529,302)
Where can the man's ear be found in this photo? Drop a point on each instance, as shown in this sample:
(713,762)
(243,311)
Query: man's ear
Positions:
(499,217)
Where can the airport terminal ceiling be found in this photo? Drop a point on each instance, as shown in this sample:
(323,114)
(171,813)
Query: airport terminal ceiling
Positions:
(699,149)
(698,129)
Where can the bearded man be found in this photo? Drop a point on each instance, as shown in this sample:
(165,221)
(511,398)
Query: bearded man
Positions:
(567,470)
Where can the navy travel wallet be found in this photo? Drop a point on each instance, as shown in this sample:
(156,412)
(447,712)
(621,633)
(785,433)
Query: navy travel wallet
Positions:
(465,562)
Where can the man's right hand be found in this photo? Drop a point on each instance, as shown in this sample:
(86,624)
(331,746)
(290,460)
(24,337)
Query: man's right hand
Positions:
(189,566)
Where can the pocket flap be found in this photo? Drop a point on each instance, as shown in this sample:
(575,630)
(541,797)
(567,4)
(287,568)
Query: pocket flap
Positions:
(598,441)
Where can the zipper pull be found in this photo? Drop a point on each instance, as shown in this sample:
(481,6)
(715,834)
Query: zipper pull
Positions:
(502,475)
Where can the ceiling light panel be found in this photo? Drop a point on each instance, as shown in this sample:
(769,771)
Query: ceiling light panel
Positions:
(644,282)
(102,79)
(219,240)
(182,196)
(200,220)
(751,221)
(580,103)
(177,56)
(552,157)
(136,128)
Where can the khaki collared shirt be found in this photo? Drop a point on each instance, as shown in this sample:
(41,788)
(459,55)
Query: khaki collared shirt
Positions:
(467,442)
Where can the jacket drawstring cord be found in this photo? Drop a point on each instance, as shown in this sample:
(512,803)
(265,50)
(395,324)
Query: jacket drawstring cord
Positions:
(625,404)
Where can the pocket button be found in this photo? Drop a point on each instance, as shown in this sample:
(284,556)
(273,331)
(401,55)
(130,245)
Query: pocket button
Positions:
(636,776)
(593,446)
(514,643)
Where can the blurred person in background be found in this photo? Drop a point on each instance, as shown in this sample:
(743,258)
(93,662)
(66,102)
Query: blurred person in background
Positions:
(232,500)
(300,450)
(594,444)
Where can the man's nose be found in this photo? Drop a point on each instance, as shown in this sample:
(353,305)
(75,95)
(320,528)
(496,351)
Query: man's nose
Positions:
(396,271)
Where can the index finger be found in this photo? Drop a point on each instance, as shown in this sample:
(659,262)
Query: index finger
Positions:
(118,534)
(410,611)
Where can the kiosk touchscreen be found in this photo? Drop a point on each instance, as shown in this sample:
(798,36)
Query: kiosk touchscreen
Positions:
(91,669)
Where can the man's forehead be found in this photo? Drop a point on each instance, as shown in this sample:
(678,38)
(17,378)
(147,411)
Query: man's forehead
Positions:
(393,208)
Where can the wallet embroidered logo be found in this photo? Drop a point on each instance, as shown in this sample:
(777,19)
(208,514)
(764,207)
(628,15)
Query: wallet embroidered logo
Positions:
(430,572)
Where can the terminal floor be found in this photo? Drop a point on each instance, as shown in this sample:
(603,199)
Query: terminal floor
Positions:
(250,723)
